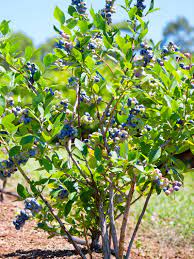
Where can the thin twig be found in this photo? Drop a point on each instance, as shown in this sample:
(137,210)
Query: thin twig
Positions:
(101,59)
(77,165)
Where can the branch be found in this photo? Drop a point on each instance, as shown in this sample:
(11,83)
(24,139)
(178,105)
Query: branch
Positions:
(10,193)
(86,238)
(117,217)
(70,238)
(125,219)
(104,232)
(112,220)
(138,223)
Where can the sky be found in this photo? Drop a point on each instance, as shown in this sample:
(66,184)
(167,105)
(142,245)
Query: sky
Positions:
(35,18)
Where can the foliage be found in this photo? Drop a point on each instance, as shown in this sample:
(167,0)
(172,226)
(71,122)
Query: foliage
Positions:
(109,131)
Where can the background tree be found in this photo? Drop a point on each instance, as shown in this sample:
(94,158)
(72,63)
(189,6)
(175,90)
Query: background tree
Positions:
(180,32)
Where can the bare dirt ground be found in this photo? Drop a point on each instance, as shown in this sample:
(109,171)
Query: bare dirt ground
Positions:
(29,243)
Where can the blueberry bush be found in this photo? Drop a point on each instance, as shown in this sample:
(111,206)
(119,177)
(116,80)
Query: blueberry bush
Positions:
(103,116)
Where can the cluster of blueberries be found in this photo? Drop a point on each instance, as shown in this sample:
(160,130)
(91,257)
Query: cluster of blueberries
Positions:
(80,6)
(87,99)
(175,187)
(25,117)
(140,5)
(64,104)
(84,97)
(92,45)
(135,109)
(147,53)
(170,48)
(87,119)
(31,208)
(68,131)
(65,45)
(118,134)
(49,90)
(62,192)
(8,167)
(96,79)
(10,101)
(148,127)
(166,50)
(108,11)
(167,186)
(18,111)
(73,81)
(96,41)
(185,67)
(32,69)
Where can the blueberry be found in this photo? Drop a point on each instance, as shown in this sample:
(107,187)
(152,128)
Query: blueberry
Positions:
(165,50)
(176,188)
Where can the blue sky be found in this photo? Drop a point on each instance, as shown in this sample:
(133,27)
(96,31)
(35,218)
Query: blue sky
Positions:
(35,18)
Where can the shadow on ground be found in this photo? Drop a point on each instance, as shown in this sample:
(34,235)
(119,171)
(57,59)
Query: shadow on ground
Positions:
(39,253)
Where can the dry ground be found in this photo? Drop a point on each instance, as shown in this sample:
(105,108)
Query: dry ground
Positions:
(29,243)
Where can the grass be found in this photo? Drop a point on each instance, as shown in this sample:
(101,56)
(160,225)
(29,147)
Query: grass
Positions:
(170,217)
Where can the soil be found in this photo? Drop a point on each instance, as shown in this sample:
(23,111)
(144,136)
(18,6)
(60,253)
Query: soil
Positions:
(30,243)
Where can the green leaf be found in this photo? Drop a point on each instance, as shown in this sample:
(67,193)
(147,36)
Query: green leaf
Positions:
(28,139)
(132,12)
(155,154)
(14,151)
(79,144)
(4,27)
(96,88)
(56,29)
(71,23)
(71,10)
(2,101)
(98,153)
(90,63)
(49,59)
(92,162)
(124,149)
(151,5)
(37,75)
(47,164)
(83,25)
(168,100)
(99,22)
(77,54)
(68,207)
(2,70)
(8,119)
(21,190)
(192,149)
(59,15)
(28,53)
